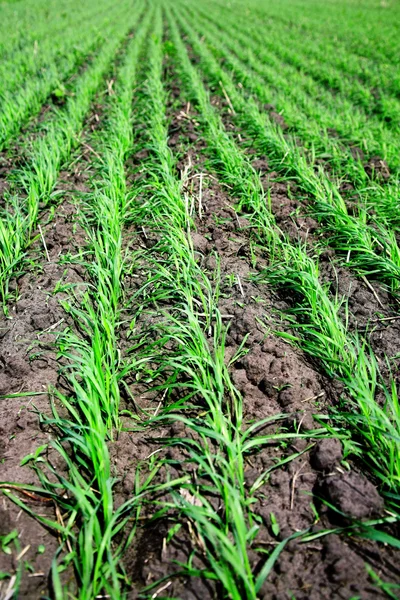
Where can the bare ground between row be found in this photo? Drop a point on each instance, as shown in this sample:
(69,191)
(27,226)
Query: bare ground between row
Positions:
(373,311)
(273,377)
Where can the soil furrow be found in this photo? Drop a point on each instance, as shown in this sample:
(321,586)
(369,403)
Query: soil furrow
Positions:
(29,365)
(198,381)
(273,378)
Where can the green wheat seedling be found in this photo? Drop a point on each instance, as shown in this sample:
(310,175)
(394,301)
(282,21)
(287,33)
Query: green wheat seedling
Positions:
(25,28)
(186,346)
(292,19)
(96,533)
(23,64)
(48,152)
(367,68)
(294,53)
(246,43)
(384,48)
(320,330)
(17,107)
(91,358)
(13,223)
(381,201)
(374,251)
(323,335)
(171,314)
(103,217)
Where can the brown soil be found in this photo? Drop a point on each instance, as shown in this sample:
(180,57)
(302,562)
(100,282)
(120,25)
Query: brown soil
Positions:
(273,378)
(372,308)
(375,167)
(29,365)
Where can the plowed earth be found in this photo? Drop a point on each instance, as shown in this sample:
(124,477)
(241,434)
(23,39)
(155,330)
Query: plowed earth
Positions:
(273,377)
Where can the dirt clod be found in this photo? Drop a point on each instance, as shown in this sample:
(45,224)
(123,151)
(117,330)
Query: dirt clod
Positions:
(327,453)
(353,494)
(377,168)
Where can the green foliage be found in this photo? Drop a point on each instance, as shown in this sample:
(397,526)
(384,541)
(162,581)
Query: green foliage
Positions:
(331,97)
